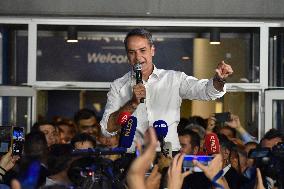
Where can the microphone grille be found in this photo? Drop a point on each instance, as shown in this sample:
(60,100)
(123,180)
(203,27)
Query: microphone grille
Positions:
(137,66)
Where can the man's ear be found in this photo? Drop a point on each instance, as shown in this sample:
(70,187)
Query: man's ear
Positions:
(153,49)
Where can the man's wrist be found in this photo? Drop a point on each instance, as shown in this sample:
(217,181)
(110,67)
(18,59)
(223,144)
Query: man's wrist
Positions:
(134,105)
(219,79)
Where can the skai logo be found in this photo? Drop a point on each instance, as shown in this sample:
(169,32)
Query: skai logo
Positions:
(162,125)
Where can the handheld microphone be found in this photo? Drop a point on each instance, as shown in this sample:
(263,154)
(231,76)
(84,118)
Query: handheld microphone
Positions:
(138,75)
(127,132)
(123,117)
(212,144)
(161,128)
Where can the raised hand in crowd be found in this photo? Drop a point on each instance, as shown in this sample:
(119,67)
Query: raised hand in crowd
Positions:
(136,174)
(236,124)
(154,179)
(175,175)
(259,182)
(7,162)
(213,169)
(211,123)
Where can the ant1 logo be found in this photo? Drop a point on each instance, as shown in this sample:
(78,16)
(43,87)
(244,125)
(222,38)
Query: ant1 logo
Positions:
(213,144)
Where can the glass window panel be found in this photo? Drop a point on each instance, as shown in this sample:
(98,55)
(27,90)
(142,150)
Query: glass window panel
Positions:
(278,114)
(276,57)
(15,53)
(64,103)
(99,56)
(15,111)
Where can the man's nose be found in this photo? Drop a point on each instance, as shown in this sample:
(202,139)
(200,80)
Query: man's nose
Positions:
(138,57)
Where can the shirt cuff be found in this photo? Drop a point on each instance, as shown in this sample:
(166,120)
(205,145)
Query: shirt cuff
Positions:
(212,92)
(104,130)
(246,137)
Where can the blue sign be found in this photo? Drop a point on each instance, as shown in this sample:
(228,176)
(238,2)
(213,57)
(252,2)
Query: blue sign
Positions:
(101,59)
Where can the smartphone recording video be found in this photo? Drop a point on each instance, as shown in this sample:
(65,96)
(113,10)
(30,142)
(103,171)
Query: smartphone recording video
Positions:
(17,140)
(188,162)
(222,117)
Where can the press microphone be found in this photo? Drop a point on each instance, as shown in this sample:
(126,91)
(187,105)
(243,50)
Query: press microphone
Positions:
(123,117)
(138,75)
(211,144)
(161,128)
(127,132)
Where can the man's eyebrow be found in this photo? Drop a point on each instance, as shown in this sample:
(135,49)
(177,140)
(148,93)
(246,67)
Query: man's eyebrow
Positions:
(136,49)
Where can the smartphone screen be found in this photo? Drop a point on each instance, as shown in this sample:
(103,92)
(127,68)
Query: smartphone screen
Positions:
(17,140)
(222,117)
(188,162)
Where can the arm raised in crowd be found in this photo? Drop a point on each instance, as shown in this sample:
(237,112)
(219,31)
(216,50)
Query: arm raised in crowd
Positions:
(175,175)
(213,169)
(136,173)
(7,162)
(236,124)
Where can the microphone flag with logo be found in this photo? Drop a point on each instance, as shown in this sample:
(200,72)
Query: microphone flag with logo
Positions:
(127,132)
(211,144)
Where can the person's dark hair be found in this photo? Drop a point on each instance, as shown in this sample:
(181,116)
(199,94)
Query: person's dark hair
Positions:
(55,186)
(58,157)
(82,137)
(229,128)
(139,32)
(272,133)
(84,114)
(37,125)
(183,122)
(194,127)
(35,145)
(225,142)
(195,139)
(68,123)
(197,120)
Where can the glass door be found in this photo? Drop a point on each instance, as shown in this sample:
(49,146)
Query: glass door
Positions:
(274,109)
(17,106)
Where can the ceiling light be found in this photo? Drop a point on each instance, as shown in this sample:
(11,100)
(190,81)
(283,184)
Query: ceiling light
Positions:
(215,36)
(72,34)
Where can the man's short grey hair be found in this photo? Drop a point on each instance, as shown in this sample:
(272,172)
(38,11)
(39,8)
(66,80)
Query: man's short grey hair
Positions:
(199,128)
(139,32)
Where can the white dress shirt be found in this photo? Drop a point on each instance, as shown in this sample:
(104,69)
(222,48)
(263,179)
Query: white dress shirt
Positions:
(165,90)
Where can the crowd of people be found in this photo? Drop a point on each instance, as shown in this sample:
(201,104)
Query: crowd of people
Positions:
(47,160)
(148,95)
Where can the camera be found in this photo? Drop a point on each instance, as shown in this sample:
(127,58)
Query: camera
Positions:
(222,117)
(270,162)
(92,170)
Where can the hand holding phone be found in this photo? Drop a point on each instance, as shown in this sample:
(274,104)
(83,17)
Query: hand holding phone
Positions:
(189,165)
(17,141)
(222,117)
